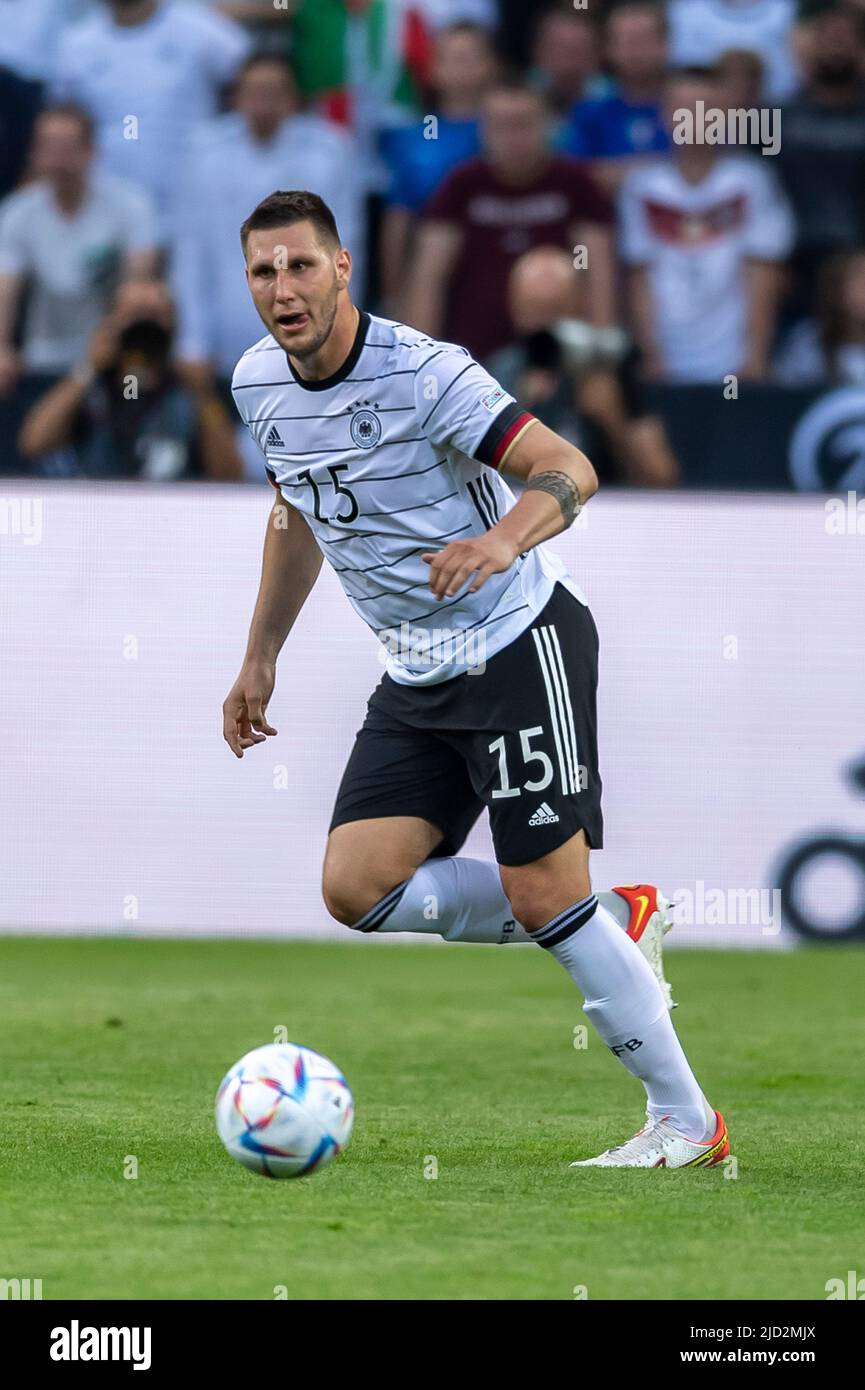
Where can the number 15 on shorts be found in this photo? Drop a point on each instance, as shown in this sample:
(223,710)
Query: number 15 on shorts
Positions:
(573,775)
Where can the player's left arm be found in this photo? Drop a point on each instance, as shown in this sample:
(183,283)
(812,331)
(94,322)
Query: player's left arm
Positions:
(558,479)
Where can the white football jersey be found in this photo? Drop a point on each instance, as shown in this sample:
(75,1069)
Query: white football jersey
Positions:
(696,239)
(393,455)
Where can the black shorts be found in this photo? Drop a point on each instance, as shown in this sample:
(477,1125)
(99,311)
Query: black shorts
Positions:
(519,737)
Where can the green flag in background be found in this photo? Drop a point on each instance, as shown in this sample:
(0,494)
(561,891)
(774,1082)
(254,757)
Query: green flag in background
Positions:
(361,62)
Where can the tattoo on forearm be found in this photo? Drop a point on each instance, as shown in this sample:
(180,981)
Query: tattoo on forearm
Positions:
(563,488)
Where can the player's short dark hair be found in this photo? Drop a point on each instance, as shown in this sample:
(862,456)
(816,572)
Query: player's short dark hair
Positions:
(283,209)
(71,111)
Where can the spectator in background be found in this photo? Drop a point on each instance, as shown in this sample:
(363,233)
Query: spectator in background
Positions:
(364,64)
(30,31)
(616,130)
(267,23)
(704,235)
(123,412)
(741,78)
(230,164)
(421,155)
(148,71)
(20,103)
(68,239)
(701,30)
(578,380)
(566,59)
(829,350)
(441,14)
(742,75)
(822,155)
(518,23)
(493,209)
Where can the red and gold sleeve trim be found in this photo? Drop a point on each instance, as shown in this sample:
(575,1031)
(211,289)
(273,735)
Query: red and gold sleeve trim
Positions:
(508,427)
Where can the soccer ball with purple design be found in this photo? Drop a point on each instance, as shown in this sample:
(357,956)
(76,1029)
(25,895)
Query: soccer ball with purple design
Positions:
(284,1110)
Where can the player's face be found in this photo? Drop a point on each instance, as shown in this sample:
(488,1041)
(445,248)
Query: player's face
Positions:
(295,282)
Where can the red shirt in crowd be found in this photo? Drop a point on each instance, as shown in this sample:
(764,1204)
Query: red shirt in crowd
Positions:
(499,223)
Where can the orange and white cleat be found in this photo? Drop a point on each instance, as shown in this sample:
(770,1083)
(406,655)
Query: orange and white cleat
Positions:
(648,924)
(659,1145)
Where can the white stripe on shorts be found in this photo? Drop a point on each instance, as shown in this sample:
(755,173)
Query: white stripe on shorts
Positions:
(551,698)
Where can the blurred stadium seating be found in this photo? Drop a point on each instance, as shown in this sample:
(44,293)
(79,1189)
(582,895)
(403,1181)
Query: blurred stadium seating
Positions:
(452,137)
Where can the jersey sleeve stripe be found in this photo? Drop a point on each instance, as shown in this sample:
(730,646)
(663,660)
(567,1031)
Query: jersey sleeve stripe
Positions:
(509,426)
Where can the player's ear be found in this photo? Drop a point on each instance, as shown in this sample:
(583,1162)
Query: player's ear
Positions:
(342,263)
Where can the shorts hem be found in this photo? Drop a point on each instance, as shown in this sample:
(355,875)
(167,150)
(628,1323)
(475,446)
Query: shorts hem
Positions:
(594,838)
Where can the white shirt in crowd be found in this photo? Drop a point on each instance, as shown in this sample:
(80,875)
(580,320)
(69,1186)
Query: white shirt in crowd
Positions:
(226,173)
(147,85)
(695,240)
(30,31)
(701,30)
(72,262)
(803,361)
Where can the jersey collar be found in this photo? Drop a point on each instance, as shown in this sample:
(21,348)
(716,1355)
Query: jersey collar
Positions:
(342,372)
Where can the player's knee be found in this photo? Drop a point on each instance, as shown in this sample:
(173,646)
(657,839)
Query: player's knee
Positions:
(528,910)
(344,901)
(349,898)
(536,896)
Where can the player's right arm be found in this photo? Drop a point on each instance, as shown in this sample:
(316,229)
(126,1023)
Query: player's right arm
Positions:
(289,569)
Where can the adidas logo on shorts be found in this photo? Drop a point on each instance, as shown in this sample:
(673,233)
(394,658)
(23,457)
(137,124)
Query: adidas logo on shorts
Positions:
(274,438)
(544,815)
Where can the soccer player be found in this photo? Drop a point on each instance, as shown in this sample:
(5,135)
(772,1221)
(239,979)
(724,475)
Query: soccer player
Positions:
(387,450)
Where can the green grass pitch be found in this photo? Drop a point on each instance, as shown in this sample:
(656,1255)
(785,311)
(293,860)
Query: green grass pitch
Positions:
(114,1048)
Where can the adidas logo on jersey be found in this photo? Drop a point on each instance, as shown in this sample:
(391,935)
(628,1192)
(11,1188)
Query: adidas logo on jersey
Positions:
(274,439)
(544,815)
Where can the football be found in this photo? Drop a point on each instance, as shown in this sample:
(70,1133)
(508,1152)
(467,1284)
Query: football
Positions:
(284,1111)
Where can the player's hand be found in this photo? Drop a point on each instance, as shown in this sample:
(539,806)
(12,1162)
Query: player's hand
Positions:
(243,713)
(481,556)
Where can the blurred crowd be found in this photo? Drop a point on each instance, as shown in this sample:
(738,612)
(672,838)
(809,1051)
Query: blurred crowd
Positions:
(506,175)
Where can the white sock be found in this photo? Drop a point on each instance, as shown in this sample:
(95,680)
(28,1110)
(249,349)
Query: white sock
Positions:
(460,900)
(626,1006)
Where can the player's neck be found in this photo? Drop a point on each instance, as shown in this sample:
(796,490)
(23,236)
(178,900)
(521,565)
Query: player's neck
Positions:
(334,352)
